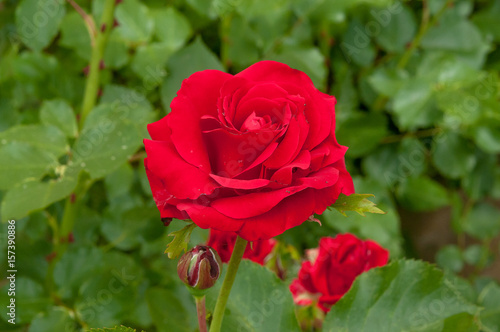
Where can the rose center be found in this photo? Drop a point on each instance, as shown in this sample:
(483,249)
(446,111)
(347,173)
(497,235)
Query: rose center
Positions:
(254,122)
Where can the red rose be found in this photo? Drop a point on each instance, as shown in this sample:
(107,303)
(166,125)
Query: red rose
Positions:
(253,153)
(332,268)
(223,243)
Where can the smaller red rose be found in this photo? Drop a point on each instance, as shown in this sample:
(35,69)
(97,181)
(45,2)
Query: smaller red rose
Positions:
(331,269)
(223,243)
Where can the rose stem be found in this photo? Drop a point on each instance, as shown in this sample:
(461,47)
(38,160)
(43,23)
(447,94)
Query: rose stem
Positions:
(92,84)
(89,101)
(202,316)
(234,262)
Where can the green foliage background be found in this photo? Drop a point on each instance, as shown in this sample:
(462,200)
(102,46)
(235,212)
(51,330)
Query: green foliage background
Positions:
(418,104)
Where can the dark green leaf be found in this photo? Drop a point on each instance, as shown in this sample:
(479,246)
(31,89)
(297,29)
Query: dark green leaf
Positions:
(422,194)
(453,155)
(483,221)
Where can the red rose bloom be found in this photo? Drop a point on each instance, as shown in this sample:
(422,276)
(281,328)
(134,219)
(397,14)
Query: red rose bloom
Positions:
(253,153)
(332,268)
(223,243)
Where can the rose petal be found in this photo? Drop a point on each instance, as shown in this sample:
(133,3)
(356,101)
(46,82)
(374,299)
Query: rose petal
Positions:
(240,184)
(182,179)
(197,97)
(208,217)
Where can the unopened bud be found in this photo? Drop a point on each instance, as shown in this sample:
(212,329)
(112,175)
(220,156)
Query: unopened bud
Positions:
(200,268)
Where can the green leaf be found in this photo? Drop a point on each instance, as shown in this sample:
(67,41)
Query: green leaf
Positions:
(259,301)
(75,35)
(116,51)
(453,155)
(356,46)
(149,62)
(422,194)
(488,138)
(20,161)
(129,104)
(397,31)
(56,319)
(30,295)
(108,139)
(45,138)
(483,221)
(450,257)
(135,22)
(356,202)
(33,195)
(171,28)
(37,22)
(180,241)
(59,113)
(108,296)
(453,33)
(489,298)
(120,328)
(486,18)
(195,57)
(402,296)
(370,129)
(74,267)
(414,106)
(168,312)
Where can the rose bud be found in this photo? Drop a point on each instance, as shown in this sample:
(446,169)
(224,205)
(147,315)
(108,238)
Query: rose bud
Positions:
(200,268)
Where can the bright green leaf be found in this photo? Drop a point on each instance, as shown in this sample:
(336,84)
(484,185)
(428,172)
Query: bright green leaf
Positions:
(180,241)
(356,202)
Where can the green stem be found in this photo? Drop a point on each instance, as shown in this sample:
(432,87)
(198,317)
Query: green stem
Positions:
(234,262)
(92,84)
(200,309)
